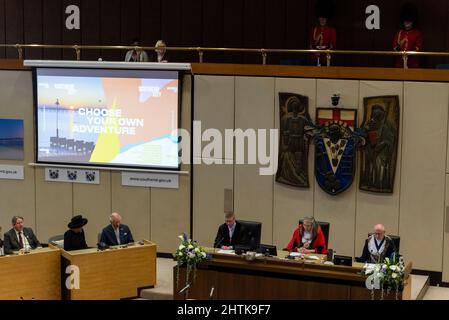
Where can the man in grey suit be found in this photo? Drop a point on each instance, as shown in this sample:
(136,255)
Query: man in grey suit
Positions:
(19,237)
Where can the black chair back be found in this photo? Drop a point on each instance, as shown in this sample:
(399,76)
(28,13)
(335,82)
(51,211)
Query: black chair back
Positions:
(325,226)
(253,230)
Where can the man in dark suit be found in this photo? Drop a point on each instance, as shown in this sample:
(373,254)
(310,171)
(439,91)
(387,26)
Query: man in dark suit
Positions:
(19,237)
(230,234)
(116,233)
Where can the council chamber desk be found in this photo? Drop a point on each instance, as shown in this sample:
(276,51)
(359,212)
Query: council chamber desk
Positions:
(232,277)
(34,275)
(115,273)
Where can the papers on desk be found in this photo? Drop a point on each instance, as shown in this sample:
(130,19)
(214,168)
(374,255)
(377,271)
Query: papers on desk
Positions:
(223,251)
(296,254)
(305,256)
(369,267)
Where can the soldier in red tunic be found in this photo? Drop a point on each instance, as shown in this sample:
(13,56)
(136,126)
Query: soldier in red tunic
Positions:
(408,38)
(322,36)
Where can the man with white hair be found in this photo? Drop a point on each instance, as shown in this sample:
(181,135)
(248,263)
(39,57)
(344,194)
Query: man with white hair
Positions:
(116,233)
(378,246)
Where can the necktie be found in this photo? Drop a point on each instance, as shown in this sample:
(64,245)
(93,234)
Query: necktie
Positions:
(117,235)
(20,240)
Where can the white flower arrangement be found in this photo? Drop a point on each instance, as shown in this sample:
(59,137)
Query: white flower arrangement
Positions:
(388,276)
(190,254)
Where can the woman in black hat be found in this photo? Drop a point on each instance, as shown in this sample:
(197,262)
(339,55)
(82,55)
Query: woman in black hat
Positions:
(74,238)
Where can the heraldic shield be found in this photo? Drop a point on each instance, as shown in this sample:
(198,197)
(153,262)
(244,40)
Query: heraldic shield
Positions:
(335,149)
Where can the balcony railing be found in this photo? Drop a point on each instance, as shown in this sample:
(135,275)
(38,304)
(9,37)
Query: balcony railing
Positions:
(202,50)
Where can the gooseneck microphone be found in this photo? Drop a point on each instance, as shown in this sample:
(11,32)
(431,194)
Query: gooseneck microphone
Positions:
(219,243)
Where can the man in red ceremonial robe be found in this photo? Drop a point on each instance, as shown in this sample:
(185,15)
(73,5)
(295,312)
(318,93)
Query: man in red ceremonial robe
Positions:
(408,38)
(322,36)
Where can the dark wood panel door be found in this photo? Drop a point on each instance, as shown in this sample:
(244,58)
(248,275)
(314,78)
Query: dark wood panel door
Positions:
(171,22)
(191,35)
(275,28)
(110,29)
(90,28)
(70,36)
(150,22)
(297,27)
(14,25)
(346,26)
(130,22)
(52,28)
(213,28)
(383,38)
(253,29)
(433,22)
(33,27)
(233,18)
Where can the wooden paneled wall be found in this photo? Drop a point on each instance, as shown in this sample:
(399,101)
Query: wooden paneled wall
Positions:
(160,215)
(213,23)
(415,210)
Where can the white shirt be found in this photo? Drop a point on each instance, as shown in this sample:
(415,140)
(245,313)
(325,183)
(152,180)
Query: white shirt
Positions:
(307,236)
(231,231)
(26,244)
(161,57)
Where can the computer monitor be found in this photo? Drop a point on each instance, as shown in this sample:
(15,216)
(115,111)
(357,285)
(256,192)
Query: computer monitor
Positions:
(253,231)
(268,250)
(342,260)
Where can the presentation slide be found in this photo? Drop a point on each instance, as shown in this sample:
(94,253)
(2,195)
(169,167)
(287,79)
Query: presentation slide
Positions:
(120,118)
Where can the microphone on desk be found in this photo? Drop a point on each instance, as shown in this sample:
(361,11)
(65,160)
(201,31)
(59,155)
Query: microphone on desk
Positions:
(102,246)
(25,246)
(218,244)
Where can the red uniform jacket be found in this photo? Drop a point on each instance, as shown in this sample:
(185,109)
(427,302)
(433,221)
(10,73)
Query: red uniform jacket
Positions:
(322,37)
(318,243)
(408,41)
